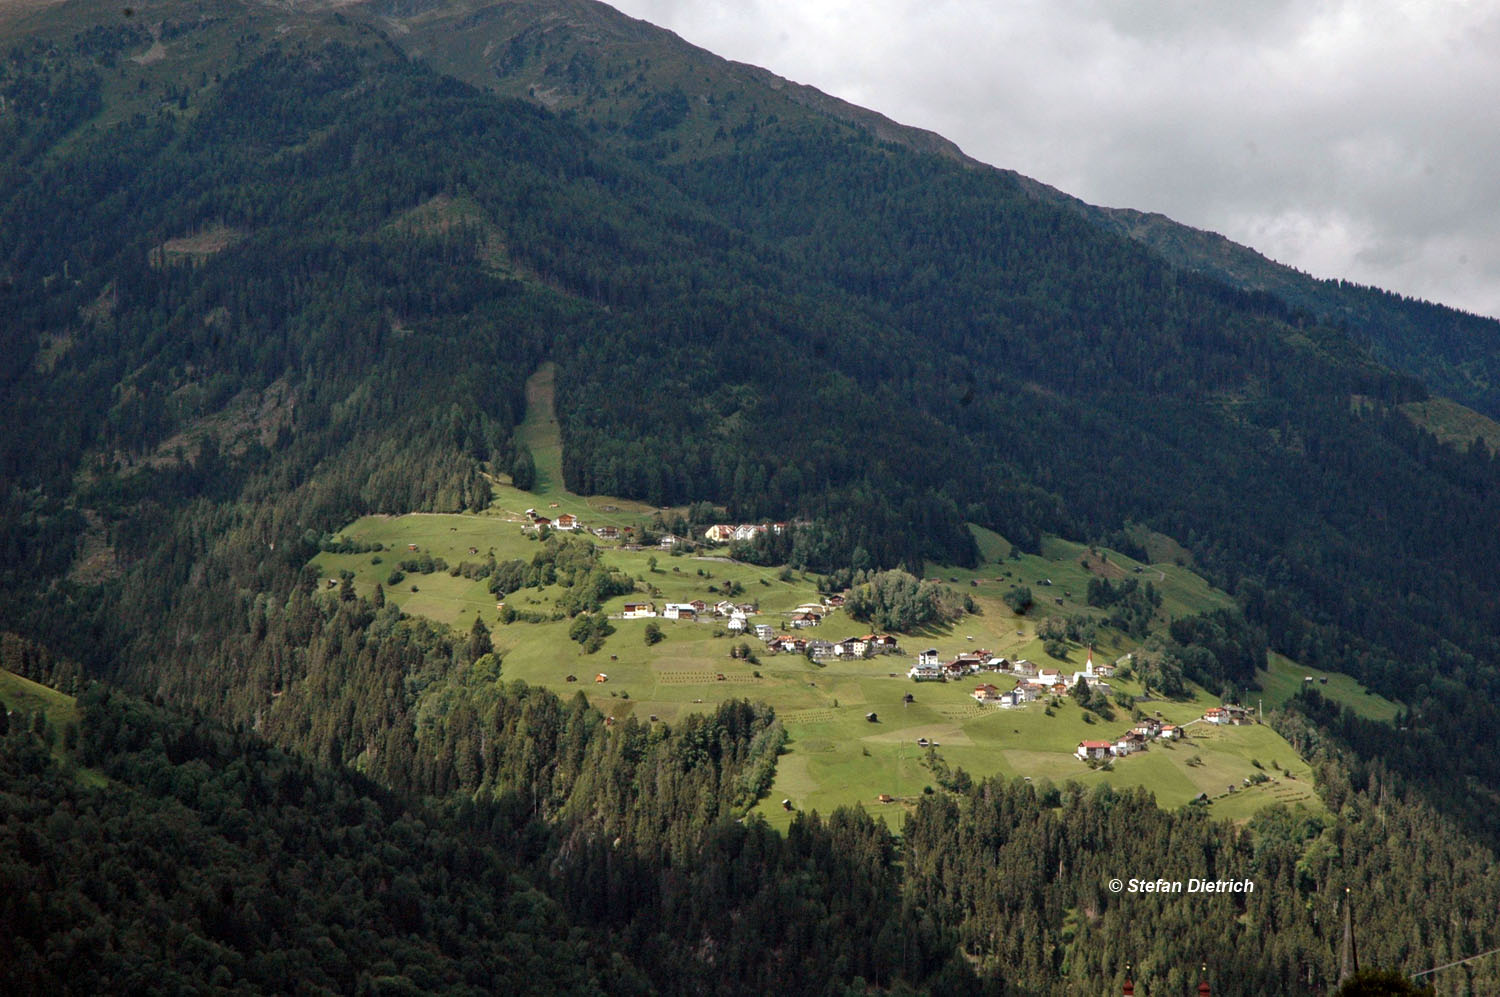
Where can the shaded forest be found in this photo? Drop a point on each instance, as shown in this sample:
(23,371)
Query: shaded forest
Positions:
(584,858)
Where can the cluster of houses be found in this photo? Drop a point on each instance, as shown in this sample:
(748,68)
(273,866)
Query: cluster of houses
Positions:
(1145,730)
(728,532)
(849,649)
(1032,681)
(568,523)
(810,614)
(738,614)
(1148,729)
(565,522)
(736,617)
(1228,715)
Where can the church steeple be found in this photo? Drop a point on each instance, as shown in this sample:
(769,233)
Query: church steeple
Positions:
(1129,990)
(1348,951)
(1203,988)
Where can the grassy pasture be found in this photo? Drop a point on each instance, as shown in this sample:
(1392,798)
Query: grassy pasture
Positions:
(1453,423)
(1283,678)
(836,756)
(22,695)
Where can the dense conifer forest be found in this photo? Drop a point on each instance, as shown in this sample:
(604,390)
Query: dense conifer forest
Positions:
(583,859)
(250,295)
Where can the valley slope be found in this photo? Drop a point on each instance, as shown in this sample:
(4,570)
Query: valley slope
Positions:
(267,282)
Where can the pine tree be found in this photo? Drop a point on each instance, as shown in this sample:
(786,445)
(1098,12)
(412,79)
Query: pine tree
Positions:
(479,639)
(523,469)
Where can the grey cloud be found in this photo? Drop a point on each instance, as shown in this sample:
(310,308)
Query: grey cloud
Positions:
(1348,138)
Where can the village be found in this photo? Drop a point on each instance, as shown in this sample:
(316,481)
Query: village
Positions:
(719,533)
(855,698)
(1032,682)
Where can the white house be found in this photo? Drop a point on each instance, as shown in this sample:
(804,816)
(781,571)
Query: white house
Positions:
(1098,750)
(680,611)
(926,673)
(719,533)
(1048,676)
(1022,694)
(854,647)
(639,610)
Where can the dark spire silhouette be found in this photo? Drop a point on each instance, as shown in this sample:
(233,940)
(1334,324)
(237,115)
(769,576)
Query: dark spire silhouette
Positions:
(1348,951)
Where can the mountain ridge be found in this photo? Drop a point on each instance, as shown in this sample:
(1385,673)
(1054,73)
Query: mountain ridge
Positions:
(1460,363)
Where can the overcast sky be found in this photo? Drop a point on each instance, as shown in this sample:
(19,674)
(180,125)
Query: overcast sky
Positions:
(1348,139)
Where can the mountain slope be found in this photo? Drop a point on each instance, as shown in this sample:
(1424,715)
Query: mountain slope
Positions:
(261,273)
(628,78)
(1452,352)
(887,341)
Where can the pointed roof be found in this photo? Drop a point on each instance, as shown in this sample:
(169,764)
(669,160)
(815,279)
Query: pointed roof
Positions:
(1203,990)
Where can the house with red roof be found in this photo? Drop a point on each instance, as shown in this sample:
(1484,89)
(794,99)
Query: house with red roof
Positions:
(986,693)
(1096,750)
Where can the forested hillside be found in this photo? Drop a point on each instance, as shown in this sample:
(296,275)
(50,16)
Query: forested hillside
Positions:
(1452,352)
(218,860)
(262,272)
(1073,383)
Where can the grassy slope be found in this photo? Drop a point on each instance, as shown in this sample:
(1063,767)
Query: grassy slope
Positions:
(1283,677)
(22,695)
(1454,423)
(836,756)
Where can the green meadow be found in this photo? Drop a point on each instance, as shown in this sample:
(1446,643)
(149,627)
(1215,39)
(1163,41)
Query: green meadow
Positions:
(836,755)
(1283,678)
(23,696)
